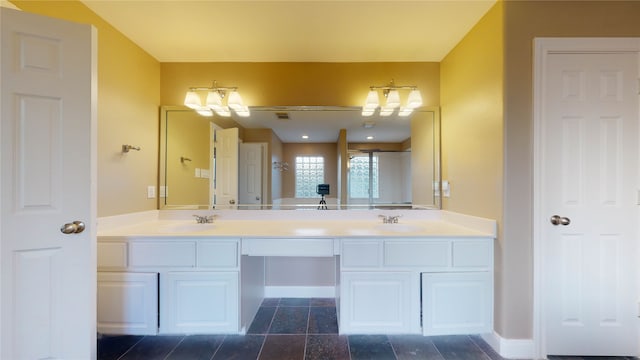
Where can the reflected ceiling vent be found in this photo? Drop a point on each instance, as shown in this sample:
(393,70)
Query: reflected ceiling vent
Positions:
(282,116)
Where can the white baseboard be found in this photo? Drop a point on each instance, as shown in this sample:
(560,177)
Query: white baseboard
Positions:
(299,291)
(510,348)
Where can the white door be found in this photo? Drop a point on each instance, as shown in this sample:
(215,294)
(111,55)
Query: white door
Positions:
(48,174)
(250,176)
(226,171)
(589,197)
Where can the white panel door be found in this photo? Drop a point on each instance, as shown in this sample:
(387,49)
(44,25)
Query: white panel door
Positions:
(250,178)
(589,181)
(226,171)
(48,130)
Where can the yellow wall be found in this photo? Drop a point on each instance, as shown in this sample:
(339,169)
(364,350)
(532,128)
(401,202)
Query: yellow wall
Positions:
(269,84)
(189,138)
(128,100)
(472,128)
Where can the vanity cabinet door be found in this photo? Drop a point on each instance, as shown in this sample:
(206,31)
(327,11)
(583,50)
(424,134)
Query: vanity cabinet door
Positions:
(199,302)
(457,303)
(378,303)
(127,303)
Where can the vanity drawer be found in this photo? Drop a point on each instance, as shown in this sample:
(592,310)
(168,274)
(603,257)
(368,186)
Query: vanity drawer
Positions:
(287,247)
(417,253)
(477,253)
(361,254)
(162,254)
(218,254)
(112,255)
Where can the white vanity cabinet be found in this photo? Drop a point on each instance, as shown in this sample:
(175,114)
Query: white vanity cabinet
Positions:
(127,303)
(386,284)
(168,285)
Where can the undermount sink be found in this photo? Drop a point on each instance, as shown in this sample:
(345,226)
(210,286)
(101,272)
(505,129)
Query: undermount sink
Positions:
(400,228)
(185,228)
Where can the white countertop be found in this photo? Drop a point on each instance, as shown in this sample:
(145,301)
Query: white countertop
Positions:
(295,224)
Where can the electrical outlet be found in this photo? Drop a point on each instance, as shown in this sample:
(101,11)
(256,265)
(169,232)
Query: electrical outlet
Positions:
(151,192)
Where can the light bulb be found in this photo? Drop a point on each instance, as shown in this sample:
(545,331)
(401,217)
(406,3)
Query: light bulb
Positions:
(405,111)
(386,111)
(367,111)
(204,111)
(393,99)
(372,101)
(192,100)
(415,99)
(214,101)
(223,111)
(243,112)
(235,101)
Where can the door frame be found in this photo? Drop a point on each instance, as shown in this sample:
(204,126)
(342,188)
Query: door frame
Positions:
(543,47)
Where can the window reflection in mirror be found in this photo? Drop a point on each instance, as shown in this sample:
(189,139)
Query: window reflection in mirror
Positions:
(402,173)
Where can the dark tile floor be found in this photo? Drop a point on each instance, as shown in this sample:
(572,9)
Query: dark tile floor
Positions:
(290,328)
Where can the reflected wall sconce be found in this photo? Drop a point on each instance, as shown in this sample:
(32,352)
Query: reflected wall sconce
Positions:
(214,101)
(392,94)
(281,165)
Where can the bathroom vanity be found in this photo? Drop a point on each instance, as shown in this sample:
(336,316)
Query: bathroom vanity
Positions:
(162,273)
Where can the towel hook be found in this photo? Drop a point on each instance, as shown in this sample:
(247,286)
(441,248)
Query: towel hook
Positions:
(183,159)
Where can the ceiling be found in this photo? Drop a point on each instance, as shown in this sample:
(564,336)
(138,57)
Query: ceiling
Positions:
(297,31)
(293,30)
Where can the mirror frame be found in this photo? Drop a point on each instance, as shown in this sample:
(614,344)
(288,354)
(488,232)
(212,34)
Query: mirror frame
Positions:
(437,170)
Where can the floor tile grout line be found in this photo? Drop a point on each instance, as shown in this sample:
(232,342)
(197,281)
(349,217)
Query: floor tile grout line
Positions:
(264,341)
(306,335)
(175,347)
(224,338)
(131,348)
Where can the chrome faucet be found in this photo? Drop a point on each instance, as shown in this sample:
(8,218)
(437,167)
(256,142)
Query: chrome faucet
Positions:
(204,219)
(387,219)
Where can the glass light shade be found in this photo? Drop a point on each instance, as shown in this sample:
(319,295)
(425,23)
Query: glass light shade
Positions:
(368,111)
(243,112)
(223,111)
(386,111)
(393,99)
(405,111)
(372,101)
(192,100)
(214,100)
(235,101)
(415,99)
(204,111)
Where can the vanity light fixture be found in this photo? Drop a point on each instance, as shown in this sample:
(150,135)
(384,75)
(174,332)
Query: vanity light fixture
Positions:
(214,101)
(391,92)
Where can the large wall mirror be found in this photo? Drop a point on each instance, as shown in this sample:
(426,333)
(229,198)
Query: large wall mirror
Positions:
(277,157)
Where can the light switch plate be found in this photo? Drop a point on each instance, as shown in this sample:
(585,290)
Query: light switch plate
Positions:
(446,188)
(163,191)
(151,192)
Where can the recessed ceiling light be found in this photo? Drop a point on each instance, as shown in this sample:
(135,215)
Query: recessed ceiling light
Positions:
(305,136)
(369,137)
